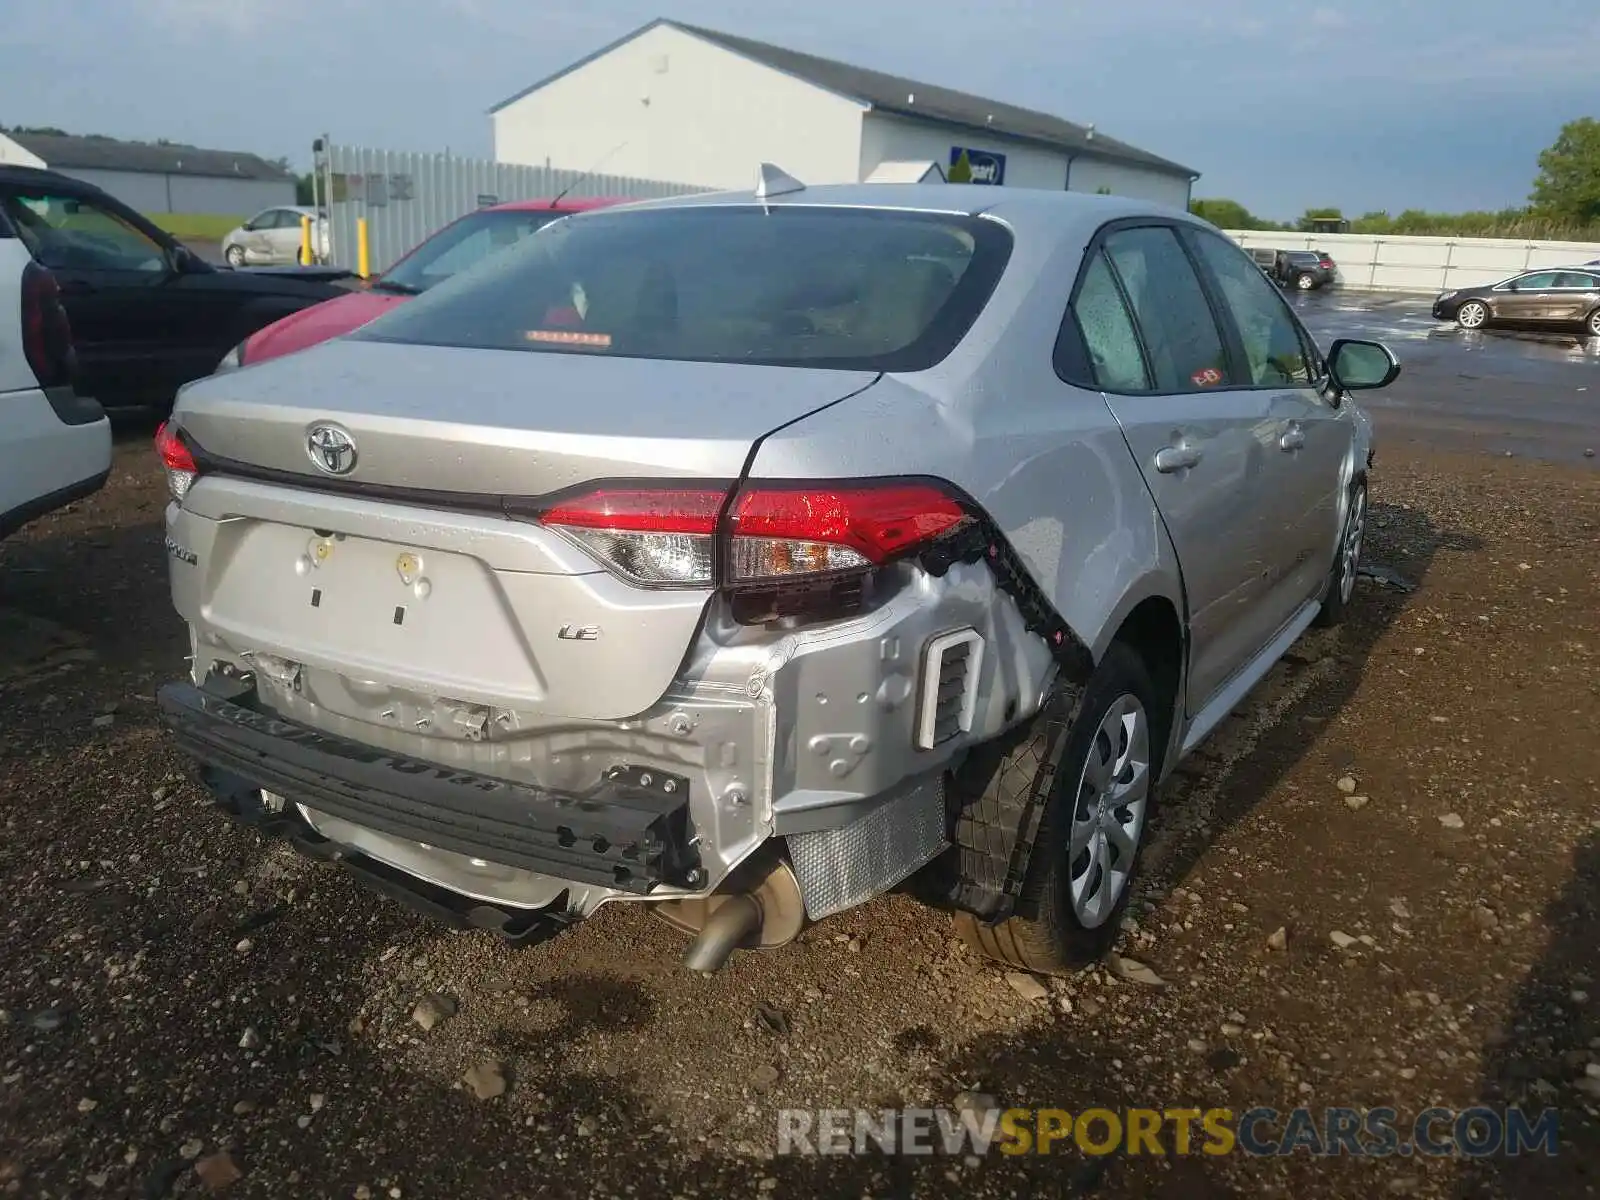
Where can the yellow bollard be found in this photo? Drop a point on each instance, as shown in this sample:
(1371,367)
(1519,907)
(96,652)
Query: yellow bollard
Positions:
(363,259)
(305,242)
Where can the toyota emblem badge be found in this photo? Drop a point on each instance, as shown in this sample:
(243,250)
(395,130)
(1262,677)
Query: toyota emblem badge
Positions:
(332,449)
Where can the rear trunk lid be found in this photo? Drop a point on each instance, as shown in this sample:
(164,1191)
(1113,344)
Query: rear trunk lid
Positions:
(507,422)
(400,602)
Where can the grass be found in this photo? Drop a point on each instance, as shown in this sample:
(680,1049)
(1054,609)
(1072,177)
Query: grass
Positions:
(202,227)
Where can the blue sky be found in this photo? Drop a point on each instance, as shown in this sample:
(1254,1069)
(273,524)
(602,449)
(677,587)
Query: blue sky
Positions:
(1281,104)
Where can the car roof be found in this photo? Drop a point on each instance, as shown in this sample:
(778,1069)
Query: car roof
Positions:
(1041,211)
(37,176)
(576,204)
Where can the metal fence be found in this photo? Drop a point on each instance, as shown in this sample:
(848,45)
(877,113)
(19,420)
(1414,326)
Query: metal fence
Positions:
(407,196)
(1393,263)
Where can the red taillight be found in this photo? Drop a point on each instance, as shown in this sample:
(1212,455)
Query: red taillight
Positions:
(46,332)
(779,533)
(775,534)
(177,459)
(655,537)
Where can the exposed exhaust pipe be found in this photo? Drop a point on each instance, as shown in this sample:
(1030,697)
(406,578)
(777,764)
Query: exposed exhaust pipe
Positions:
(736,920)
(759,907)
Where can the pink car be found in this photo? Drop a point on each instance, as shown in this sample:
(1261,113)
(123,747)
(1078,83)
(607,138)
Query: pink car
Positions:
(461,244)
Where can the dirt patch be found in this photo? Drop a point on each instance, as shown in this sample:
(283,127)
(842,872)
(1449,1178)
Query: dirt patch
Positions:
(174,989)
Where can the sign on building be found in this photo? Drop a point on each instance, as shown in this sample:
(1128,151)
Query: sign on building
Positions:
(968,165)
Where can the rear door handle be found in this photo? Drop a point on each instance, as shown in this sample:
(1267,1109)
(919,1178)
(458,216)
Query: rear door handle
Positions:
(1293,438)
(1170,459)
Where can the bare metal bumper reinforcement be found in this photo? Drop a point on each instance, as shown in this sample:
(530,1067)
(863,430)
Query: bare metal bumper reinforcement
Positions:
(623,833)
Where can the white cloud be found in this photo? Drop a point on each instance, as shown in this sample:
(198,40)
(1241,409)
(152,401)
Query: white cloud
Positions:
(1328,18)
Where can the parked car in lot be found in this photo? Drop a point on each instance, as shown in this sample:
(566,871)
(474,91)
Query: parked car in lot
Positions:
(461,244)
(273,238)
(147,314)
(1567,297)
(54,446)
(745,554)
(1304,270)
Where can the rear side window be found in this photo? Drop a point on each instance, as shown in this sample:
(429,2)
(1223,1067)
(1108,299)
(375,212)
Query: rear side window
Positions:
(1178,328)
(1576,279)
(861,289)
(1274,353)
(1115,358)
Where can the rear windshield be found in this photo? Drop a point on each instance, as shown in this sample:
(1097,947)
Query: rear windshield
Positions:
(464,244)
(861,289)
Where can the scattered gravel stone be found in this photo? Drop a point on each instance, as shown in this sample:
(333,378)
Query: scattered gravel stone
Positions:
(243,1108)
(245,946)
(487,1080)
(104,721)
(87,1105)
(1027,986)
(1347,785)
(218,1171)
(1399,908)
(190,1150)
(1341,939)
(1355,803)
(1197,1046)
(765,1077)
(432,1009)
(974,1102)
(1485,918)
(1133,971)
(1278,939)
(1452,820)
(250,1039)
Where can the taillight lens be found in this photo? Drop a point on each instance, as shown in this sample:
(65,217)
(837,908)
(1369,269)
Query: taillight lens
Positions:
(176,458)
(780,533)
(776,534)
(651,537)
(46,332)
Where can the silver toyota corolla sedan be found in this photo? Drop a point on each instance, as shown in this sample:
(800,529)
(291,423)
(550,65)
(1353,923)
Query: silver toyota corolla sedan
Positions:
(747,555)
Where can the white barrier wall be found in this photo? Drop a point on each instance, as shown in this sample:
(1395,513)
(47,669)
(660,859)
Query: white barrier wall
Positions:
(1395,263)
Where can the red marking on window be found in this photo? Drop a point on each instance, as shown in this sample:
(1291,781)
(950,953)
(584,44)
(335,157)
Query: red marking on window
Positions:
(568,337)
(1206,377)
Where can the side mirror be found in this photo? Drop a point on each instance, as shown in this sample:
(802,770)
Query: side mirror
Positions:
(186,262)
(1359,366)
(1513,286)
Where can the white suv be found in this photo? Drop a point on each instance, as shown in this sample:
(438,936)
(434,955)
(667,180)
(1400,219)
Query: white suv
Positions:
(55,446)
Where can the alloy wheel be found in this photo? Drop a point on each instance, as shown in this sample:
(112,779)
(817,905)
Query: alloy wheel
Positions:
(1108,819)
(1472,315)
(1355,527)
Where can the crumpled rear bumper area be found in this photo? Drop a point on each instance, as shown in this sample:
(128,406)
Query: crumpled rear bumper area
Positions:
(630,832)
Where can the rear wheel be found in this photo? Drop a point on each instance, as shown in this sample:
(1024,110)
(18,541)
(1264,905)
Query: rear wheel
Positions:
(1081,872)
(1347,560)
(1474,314)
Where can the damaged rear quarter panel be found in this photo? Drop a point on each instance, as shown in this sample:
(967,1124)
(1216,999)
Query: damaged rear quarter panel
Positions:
(1046,461)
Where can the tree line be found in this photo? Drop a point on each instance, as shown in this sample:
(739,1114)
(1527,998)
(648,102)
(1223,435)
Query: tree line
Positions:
(1563,206)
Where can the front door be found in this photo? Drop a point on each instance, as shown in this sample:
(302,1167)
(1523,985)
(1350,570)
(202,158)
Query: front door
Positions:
(1312,437)
(113,278)
(1207,449)
(1525,298)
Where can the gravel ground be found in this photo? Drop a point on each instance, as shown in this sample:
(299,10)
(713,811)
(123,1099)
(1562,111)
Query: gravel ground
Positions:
(183,1003)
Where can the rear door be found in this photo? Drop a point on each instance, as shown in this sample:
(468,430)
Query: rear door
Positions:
(1576,295)
(1207,450)
(1313,440)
